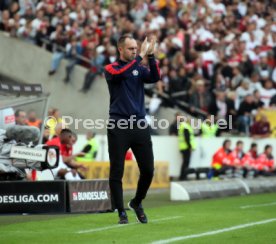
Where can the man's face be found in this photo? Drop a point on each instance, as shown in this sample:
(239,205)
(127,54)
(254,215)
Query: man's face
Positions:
(21,119)
(128,50)
(228,145)
(66,138)
(240,147)
(72,141)
(200,88)
(249,99)
(269,151)
(32,115)
(268,84)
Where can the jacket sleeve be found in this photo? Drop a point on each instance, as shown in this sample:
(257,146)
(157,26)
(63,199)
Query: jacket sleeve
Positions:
(112,73)
(153,74)
(86,149)
(187,138)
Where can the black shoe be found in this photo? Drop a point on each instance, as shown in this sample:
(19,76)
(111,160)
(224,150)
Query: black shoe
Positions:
(123,218)
(83,91)
(139,211)
(51,72)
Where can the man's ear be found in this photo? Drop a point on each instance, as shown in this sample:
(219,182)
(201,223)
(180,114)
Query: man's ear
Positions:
(120,49)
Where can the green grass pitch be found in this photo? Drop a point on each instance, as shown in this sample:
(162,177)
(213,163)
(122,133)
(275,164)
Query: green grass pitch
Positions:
(167,220)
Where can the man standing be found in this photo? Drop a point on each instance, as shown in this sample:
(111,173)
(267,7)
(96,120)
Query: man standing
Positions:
(187,144)
(125,79)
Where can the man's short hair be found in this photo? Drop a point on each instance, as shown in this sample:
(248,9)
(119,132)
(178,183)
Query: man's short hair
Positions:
(122,39)
(66,131)
(225,142)
(239,143)
(267,146)
(17,112)
(253,144)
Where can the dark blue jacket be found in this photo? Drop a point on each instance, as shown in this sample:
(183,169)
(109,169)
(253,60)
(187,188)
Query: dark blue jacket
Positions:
(126,86)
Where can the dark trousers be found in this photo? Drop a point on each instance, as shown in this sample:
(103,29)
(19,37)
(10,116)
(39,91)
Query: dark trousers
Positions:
(88,80)
(119,141)
(224,170)
(186,155)
(69,68)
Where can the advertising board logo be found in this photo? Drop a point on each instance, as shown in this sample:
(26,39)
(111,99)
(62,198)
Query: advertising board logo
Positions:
(9,119)
(90,196)
(41,198)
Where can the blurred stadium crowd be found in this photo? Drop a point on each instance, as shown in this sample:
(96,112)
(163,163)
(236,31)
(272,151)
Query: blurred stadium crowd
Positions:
(216,56)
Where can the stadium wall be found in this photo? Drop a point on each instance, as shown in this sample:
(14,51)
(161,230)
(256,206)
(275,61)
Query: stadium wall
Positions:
(166,149)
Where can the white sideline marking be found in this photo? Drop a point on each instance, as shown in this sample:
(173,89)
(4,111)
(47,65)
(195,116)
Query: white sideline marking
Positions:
(181,238)
(124,225)
(258,205)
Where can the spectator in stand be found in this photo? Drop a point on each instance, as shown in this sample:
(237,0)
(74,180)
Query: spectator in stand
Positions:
(96,68)
(219,106)
(261,128)
(173,130)
(174,82)
(59,38)
(242,91)
(263,68)
(244,114)
(24,5)
(267,93)
(5,17)
(231,111)
(73,51)
(200,99)
(237,79)
(273,101)
(257,100)
(33,120)
(4,4)
(111,55)
(24,32)
(255,83)
(20,117)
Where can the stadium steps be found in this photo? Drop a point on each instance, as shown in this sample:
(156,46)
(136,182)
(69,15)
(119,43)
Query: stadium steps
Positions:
(26,63)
